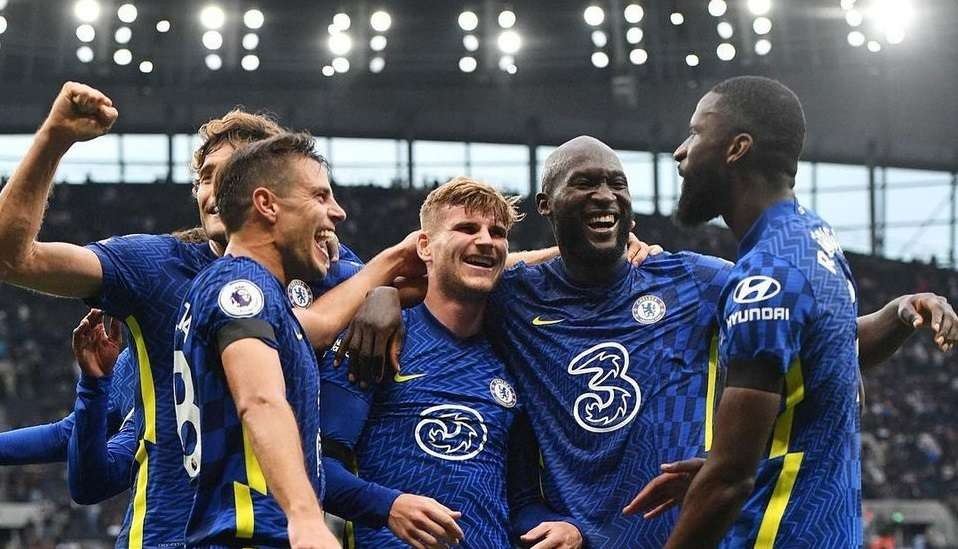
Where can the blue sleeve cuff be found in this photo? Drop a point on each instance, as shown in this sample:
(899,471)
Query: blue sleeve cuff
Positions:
(534,514)
(89,386)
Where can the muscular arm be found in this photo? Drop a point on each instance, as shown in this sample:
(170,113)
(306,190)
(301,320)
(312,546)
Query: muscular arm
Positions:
(882,333)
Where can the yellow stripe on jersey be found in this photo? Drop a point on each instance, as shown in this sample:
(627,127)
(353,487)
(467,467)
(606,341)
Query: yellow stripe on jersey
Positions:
(779,501)
(243,500)
(349,533)
(795,393)
(254,473)
(148,397)
(710,391)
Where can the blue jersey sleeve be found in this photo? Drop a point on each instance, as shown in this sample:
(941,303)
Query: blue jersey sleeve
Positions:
(127,270)
(346,254)
(122,389)
(36,444)
(246,304)
(767,304)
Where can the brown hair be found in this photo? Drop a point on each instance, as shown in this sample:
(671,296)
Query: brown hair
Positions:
(237,127)
(475,196)
(195,235)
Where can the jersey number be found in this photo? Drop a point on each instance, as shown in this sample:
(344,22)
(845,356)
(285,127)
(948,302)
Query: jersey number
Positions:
(184,400)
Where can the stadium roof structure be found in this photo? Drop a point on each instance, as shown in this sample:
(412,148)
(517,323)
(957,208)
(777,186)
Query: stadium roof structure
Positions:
(877,77)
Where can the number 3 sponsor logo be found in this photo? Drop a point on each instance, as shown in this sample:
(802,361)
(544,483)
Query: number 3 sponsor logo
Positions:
(613,398)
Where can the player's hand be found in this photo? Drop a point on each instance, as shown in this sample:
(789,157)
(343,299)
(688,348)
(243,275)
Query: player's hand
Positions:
(638,251)
(310,532)
(666,490)
(412,266)
(79,113)
(932,311)
(423,522)
(375,337)
(553,535)
(96,346)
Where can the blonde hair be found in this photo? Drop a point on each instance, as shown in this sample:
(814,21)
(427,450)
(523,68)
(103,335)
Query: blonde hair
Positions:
(473,195)
(237,127)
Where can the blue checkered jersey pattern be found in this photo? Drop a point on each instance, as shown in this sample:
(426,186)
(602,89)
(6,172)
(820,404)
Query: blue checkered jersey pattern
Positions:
(144,280)
(233,504)
(616,379)
(791,300)
(440,428)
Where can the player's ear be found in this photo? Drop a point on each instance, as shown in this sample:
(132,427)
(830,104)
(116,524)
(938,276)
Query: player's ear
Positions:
(542,204)
(740,146)
(264,202)
(422,246)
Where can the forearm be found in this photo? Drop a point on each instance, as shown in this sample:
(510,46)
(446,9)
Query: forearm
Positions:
(96,469)
(880,334)
(532,257)
(713,501)
(352,498)
(37,444)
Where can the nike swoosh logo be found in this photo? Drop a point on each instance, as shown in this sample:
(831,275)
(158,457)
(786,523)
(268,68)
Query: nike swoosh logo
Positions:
(399,378)
(540,322)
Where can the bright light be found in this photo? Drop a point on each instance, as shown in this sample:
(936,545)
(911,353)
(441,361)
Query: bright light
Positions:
(717,8)
(253,19)
(213,17)
(213,40)
(340,44)
(3,24)
(677,18)
(725,51)
(328,71)
(763,46)
(87,11)
(470,42)
(874,46)
(893,17)
(122,56)
(249,62)
(634,35)
(123,35)
(600,60)
(692,60)
(856,38)
(467,64)
(380,21)
(509,42)
(594,16)
(214,62)
(759,7)
(634,13)
(725,30)
(162,26)
(85,54)
(638,56)
(127,13)
(86,33)
(468,21)
(762,25)
(848,4)
(250,41)
(146,67)
(599,39)
(341,21)
(3,4)
(340,64)
(512,69)
(507,19)
(853,18)
(506,61)
(895,35)
(378,43)
(376,65)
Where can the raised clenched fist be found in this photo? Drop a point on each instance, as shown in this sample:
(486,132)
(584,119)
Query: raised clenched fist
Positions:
(79,113)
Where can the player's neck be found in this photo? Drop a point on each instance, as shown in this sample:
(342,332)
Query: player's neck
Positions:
(751,196)
(462,317)
(589,272)
(259,248)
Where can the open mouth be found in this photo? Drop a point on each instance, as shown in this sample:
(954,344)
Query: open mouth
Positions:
(321,237)
(602,222)
(482,261)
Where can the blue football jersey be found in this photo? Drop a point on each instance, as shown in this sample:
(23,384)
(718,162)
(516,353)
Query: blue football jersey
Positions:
(122,390)
(440,428)
(232,503)
(617,379)
(144,280)
(791,299)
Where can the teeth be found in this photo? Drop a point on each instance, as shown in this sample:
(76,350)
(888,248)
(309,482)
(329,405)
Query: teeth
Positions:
(325,234)
(602,218)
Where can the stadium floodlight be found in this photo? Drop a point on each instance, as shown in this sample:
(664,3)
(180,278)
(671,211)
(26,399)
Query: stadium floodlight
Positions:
(212,17)
(725,30)
(342,22)
(762,25)
(250,62)
(86,33)
(3,4)
(127,13)
(638,56)
(506,61)
(717,8)
(328,71)
(376,65)
(85,54)
(507,19)
(725,51)
(123,35)
(600,59)
(214,62)
(509,42)
(122,57)
(146,67)
(512,69)
(340,44)
(853,17)
(692,60)
(467,63)
(340,64)
(3,24)
(87,11)
(213,40)
(634,35)
(848,4)
(856,38)
(163,26)
(763,46)
(874,46)
(677,18)
(594,16)
(892,17)
(895,35)
(378,43)
(759,7)
(468,21)
(380,21)
(254,19)
(250,41)
(634,13)
(599,39)
(470,42)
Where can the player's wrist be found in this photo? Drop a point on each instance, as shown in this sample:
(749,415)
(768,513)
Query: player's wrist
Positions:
(53,139)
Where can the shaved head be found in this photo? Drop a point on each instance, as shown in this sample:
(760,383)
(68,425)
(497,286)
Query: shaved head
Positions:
(580,150)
